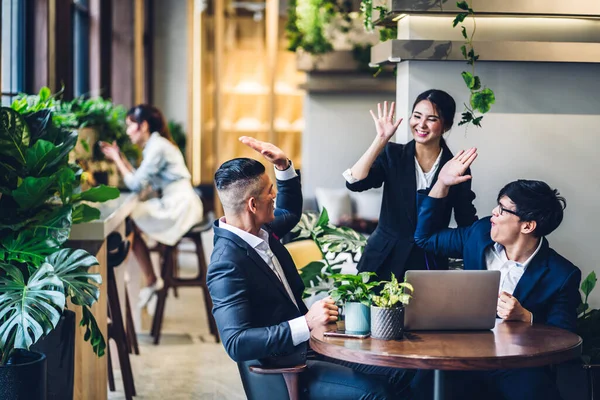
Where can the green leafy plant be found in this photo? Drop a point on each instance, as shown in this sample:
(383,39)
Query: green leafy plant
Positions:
(108,119)
(40,199)
(332,241)
(45,100)
(481,97)
(588,322)
(349,288)
(393,292)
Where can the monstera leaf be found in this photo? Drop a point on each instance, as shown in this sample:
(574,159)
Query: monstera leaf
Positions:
(343,239)
(30,310)
(71,266)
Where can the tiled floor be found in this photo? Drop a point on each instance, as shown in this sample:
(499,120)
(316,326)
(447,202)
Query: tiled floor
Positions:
(187,364)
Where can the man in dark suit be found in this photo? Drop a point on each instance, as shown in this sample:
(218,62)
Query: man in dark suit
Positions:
(255,287)
(537,284)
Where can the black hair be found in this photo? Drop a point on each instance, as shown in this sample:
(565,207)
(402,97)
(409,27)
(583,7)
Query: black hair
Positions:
(443,103)
(238,170)
(536,201)
(155,119)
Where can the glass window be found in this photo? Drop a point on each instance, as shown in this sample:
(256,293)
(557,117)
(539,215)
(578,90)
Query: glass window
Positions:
(13,49)
(81,48)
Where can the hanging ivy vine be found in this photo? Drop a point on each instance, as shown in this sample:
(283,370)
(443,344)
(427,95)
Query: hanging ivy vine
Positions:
(481,97)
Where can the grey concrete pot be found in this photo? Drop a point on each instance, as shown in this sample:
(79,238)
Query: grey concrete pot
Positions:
(387,323)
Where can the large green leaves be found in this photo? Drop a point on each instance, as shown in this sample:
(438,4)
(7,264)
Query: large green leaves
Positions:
(84,213)
(14,136)
(55,223)
(71,266)
(34,191)
(30,310)
(342,239)
(97,194)
(24,247)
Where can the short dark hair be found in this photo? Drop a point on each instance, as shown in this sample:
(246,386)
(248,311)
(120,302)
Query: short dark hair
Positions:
(235,180)
(536,201)
(236,170)
(444,104)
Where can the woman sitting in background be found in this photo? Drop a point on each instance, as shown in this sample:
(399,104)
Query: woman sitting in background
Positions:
(166,218)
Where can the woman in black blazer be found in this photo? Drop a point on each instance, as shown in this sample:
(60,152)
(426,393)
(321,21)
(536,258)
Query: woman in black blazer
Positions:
(405,169)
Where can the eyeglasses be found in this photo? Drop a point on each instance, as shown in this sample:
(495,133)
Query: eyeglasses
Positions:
(502,210)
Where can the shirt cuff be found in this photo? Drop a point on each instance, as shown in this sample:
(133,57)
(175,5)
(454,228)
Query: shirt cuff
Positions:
(531,317)
(286,174)
(300,331)
(347,174)
(129,181)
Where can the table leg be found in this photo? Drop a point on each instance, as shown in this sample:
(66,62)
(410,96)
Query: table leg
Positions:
(439,392)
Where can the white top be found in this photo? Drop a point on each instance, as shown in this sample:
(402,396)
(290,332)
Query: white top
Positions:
(162,164)
(510,271)
(424,179)
(260,243)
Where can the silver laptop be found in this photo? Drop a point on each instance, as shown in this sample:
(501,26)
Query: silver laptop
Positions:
(452,300)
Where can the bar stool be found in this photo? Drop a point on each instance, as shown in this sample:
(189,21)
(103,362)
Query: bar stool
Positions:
(171,280)
(116,328)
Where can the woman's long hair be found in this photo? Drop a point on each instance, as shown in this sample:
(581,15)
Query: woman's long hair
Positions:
(155,119)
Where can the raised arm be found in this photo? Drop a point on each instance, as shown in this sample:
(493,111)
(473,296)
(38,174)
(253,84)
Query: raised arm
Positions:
(288,209)
(448,242)
(366,166)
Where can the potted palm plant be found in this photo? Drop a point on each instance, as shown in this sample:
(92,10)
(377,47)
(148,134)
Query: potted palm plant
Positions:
(354,293)
(387,309)
(40,199)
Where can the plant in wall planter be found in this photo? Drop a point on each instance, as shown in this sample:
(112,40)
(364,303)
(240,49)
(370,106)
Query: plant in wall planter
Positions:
(41,199)
(354,292)
(387,309)
(336,244)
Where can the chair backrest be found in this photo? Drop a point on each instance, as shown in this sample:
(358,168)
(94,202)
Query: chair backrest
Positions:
(261,387)
(303,252)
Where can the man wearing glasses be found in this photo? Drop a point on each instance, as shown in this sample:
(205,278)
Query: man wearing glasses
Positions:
(536,285)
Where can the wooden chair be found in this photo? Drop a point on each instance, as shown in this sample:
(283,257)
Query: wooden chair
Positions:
(172,280)
(116,327)
(270,383)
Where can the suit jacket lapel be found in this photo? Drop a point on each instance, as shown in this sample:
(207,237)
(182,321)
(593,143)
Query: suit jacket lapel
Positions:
(253,255)
(536,269)
(408,182)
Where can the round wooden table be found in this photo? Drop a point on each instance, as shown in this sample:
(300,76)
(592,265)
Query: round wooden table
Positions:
(509,345)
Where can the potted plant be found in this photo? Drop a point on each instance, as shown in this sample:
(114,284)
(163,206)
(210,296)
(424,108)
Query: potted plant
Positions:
(41,199)
(337,245)
(354,292)
(387,309)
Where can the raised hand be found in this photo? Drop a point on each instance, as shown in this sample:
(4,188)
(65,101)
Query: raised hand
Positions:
(384,122)
(269,151)
(454,170)
(322,312)
(110,151)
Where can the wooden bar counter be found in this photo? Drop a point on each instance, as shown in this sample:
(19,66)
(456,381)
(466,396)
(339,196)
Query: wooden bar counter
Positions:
(90,381)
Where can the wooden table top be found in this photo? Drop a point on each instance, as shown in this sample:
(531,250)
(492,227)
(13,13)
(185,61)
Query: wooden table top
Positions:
(509,345)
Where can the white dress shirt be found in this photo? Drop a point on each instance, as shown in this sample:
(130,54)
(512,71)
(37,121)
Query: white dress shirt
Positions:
(510,271)
(260,243)
(423,179)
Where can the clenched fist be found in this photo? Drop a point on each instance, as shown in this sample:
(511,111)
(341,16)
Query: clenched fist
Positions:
(321,313)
